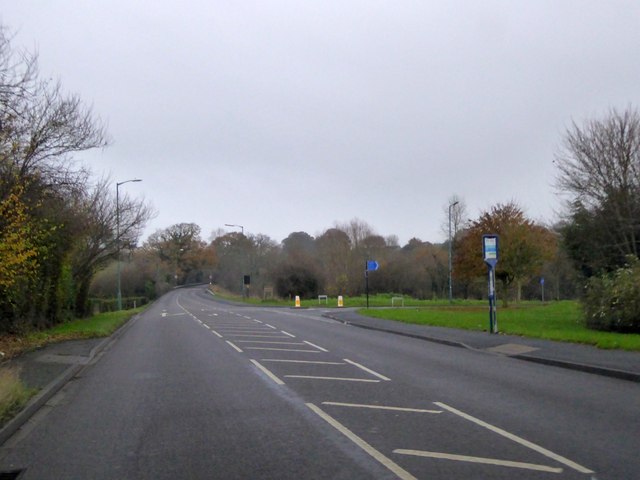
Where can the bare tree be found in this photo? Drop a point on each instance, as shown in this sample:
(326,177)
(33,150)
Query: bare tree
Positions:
(599,172)
(459,216)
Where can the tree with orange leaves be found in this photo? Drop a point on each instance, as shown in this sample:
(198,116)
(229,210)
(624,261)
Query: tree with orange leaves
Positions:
(524,247)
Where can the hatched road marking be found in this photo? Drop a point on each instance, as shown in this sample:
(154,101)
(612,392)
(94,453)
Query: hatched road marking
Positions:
(382,407)
(515,438)
(486,461)
(380,457)
(368,370)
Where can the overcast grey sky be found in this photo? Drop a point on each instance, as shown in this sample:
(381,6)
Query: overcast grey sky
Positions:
(291,115)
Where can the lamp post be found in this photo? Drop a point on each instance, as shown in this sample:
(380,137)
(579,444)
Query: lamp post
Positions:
(118,233)
(451,205)
(231,225)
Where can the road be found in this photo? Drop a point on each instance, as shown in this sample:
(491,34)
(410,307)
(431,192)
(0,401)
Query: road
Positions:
(198,388)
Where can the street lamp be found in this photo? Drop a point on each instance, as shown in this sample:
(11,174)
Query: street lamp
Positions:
(231,225)
(450,282)
(118,233)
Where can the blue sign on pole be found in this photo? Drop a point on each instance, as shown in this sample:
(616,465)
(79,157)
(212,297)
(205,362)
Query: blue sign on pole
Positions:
(372,265)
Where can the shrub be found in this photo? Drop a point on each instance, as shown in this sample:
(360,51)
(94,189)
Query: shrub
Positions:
(13,394)
(612,301)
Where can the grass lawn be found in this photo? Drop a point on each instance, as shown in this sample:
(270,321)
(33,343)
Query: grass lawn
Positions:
(552,321)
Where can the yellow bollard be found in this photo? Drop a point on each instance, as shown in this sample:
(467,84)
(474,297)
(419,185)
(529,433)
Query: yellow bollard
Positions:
(297,301)
(340,302)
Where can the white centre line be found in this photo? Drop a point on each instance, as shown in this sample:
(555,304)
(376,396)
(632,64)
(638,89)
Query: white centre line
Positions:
(382,407)
(300,361)
(515,438)
(315,346)
(288,334)
(486,461)
(238,349)
(376,374)
(380,457)
(267,372)
(365,380)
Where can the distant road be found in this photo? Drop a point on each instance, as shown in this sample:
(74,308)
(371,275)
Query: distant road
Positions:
(201,389)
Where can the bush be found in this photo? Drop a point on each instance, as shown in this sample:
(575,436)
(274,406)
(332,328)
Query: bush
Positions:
(612,301)
(13,394)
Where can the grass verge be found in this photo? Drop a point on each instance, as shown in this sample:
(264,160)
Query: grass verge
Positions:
(559,321)
(100,325)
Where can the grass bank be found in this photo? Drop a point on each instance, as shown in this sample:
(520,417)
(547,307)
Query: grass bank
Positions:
(553,321)
(378,300)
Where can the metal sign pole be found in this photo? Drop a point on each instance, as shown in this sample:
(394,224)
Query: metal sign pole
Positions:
(490,256)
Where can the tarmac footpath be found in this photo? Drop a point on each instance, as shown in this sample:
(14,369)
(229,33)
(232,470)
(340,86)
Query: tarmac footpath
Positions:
(585,358)
(49,368)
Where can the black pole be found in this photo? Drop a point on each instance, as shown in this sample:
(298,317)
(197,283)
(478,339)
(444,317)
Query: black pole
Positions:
(366,281)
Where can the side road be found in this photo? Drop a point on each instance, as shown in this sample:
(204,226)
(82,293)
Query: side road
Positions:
(612,363)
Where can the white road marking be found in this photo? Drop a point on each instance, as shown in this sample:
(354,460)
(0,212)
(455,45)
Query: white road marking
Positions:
(257,321)
(316,346)
(515,438)
(292,336)
(365,380)
(234,346)
(270,343)
(255,336)
(282,349)
(382,407)
(248,318)
(267,372)
(376,374)
(380,457)
(216,333)
(486,461)
(300,361)
(206,326)
(270,326)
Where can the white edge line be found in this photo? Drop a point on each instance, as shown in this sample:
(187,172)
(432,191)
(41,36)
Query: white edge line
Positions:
(485,461)
(382,407)
(380,457)
(515,438)
(286,333)
(267,372)
(316,346)
(376,374)
(234,346)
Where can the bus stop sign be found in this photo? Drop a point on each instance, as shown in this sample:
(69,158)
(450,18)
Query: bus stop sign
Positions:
(490,250)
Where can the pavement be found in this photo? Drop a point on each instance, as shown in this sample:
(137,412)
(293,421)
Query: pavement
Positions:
(611,363)
(49,368)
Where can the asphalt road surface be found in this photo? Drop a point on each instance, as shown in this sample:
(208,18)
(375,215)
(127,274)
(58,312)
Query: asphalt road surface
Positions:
(196,388)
